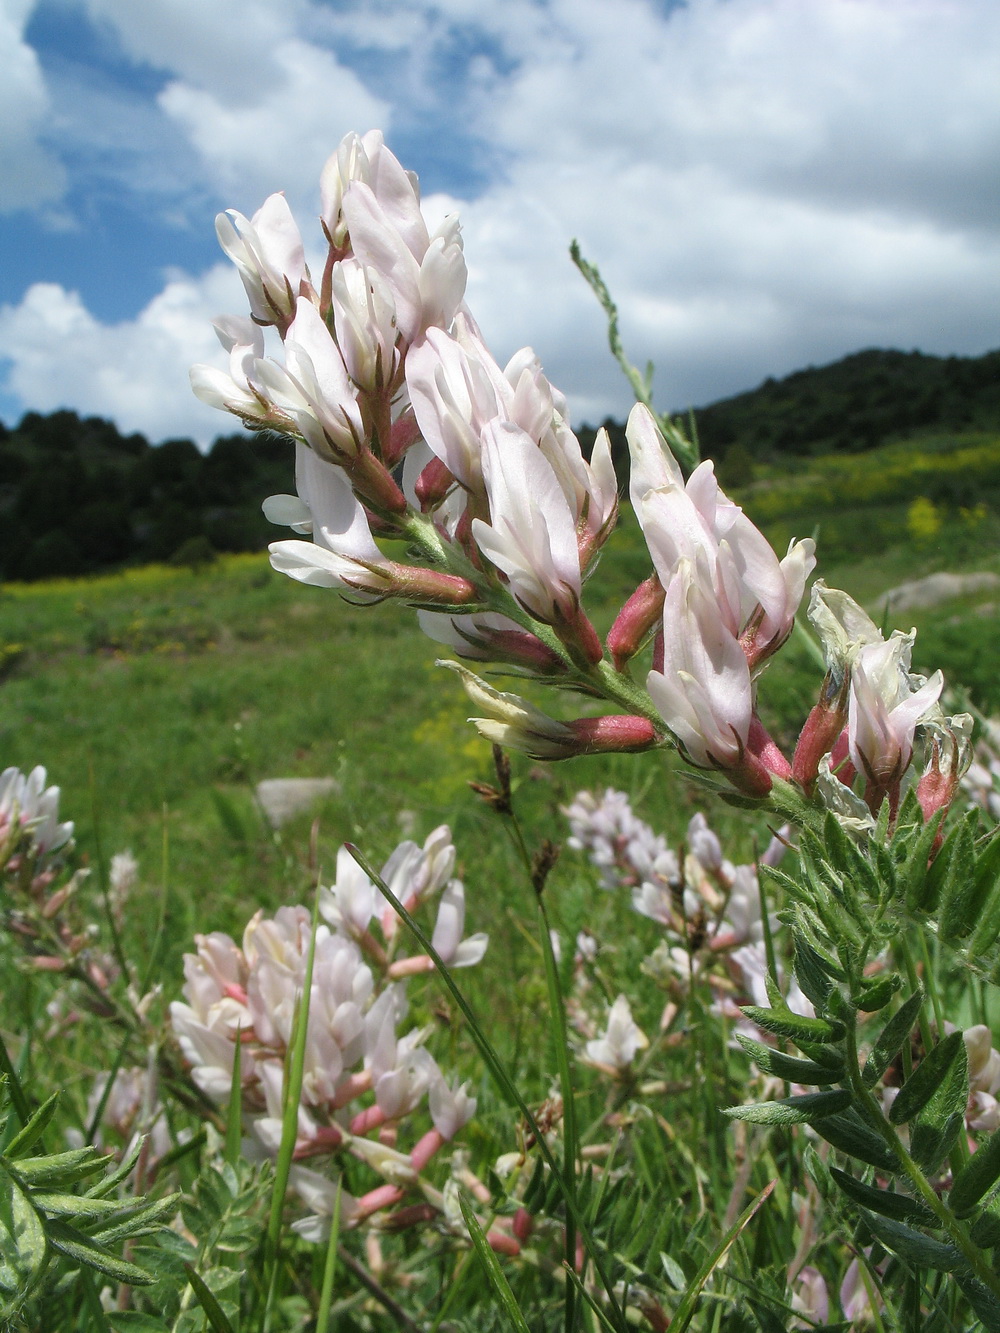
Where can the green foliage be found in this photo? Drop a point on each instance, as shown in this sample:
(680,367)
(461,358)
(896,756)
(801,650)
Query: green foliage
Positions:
(77,496)
(50,1229)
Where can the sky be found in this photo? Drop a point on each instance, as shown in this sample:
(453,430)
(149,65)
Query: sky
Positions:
(765,184)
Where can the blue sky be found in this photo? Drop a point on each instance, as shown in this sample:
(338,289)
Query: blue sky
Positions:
(765,183)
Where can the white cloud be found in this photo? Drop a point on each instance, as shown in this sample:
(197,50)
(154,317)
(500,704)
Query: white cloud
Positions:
(262,107)
(135,372)
(282,140)
(32,175)
(764,183)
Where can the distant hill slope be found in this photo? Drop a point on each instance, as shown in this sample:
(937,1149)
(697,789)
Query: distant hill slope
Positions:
(77,497)
(864,400)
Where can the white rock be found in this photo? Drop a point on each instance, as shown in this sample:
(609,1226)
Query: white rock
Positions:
(937,588)
(282,799)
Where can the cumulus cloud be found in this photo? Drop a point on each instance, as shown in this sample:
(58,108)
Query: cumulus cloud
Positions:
(262,107)
(32,175)
(135,372)
(764,183)
(282,140)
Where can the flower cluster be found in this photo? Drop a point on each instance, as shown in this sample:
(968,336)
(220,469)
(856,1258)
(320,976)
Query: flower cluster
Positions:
(408,428)
(356,1049)
(709,910)
(30,830)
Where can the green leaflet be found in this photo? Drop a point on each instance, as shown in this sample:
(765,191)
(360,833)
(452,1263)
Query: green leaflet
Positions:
(983,1302)
(960,892)
(789,1067)
(978,1175)
(22,1239)
(913,873)
(891,1039)
(783,1023)
(928,1077)
(810,972)
(877,995)
(75,1245)
(60,1169)
(913,1247)
(34,1129)
(854,1138)
(898,1207)
(941,881)
(491,1266)
(806,1109)
(930,1144)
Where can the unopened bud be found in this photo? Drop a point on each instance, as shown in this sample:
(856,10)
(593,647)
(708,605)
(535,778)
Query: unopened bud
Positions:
(55,903)
(635,620)
(822,728)
(433,484)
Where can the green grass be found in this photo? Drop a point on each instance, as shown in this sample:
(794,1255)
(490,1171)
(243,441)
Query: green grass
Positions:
(157,698)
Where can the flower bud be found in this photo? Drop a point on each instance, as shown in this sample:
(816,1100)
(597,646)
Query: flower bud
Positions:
(634,621)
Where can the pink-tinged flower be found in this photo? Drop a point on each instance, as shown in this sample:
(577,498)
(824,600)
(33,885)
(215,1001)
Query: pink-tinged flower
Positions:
(949,759)
(267,251)
(365,158)
(236,391)
(456,389)
(427,285)
(531,535)
(451,1108)
(364,321)
(640,614)
(703,692)
(757,595)
(352,900)
(313,388)
(447,938)
(652,464)
(623,1039)
(516,724)
(885,707)
(343,553)
(512,722)
(35,807)
(491,637)
(860,1298)
(810,1298)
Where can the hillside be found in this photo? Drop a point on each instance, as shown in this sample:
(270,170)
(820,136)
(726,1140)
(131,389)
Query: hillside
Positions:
(866,399)
(78,497)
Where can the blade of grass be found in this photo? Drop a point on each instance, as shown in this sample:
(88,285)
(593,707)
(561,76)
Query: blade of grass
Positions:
(14,1084)
(104,879)
(234,1112)
(214,1312)
(290,1120)
(557,1014)
(500,1076)
(491,1265)
(330,1265)
(685,1311)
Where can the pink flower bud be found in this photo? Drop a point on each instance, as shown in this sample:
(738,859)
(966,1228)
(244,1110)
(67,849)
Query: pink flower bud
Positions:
(637,617)
(622,733)
(819,735)
(433,484)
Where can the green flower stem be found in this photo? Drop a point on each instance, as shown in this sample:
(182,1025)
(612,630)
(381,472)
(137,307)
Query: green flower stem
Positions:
(499,1072)
(949,1223)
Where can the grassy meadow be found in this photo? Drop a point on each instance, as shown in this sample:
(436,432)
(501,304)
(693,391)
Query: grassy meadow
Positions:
(158,697)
